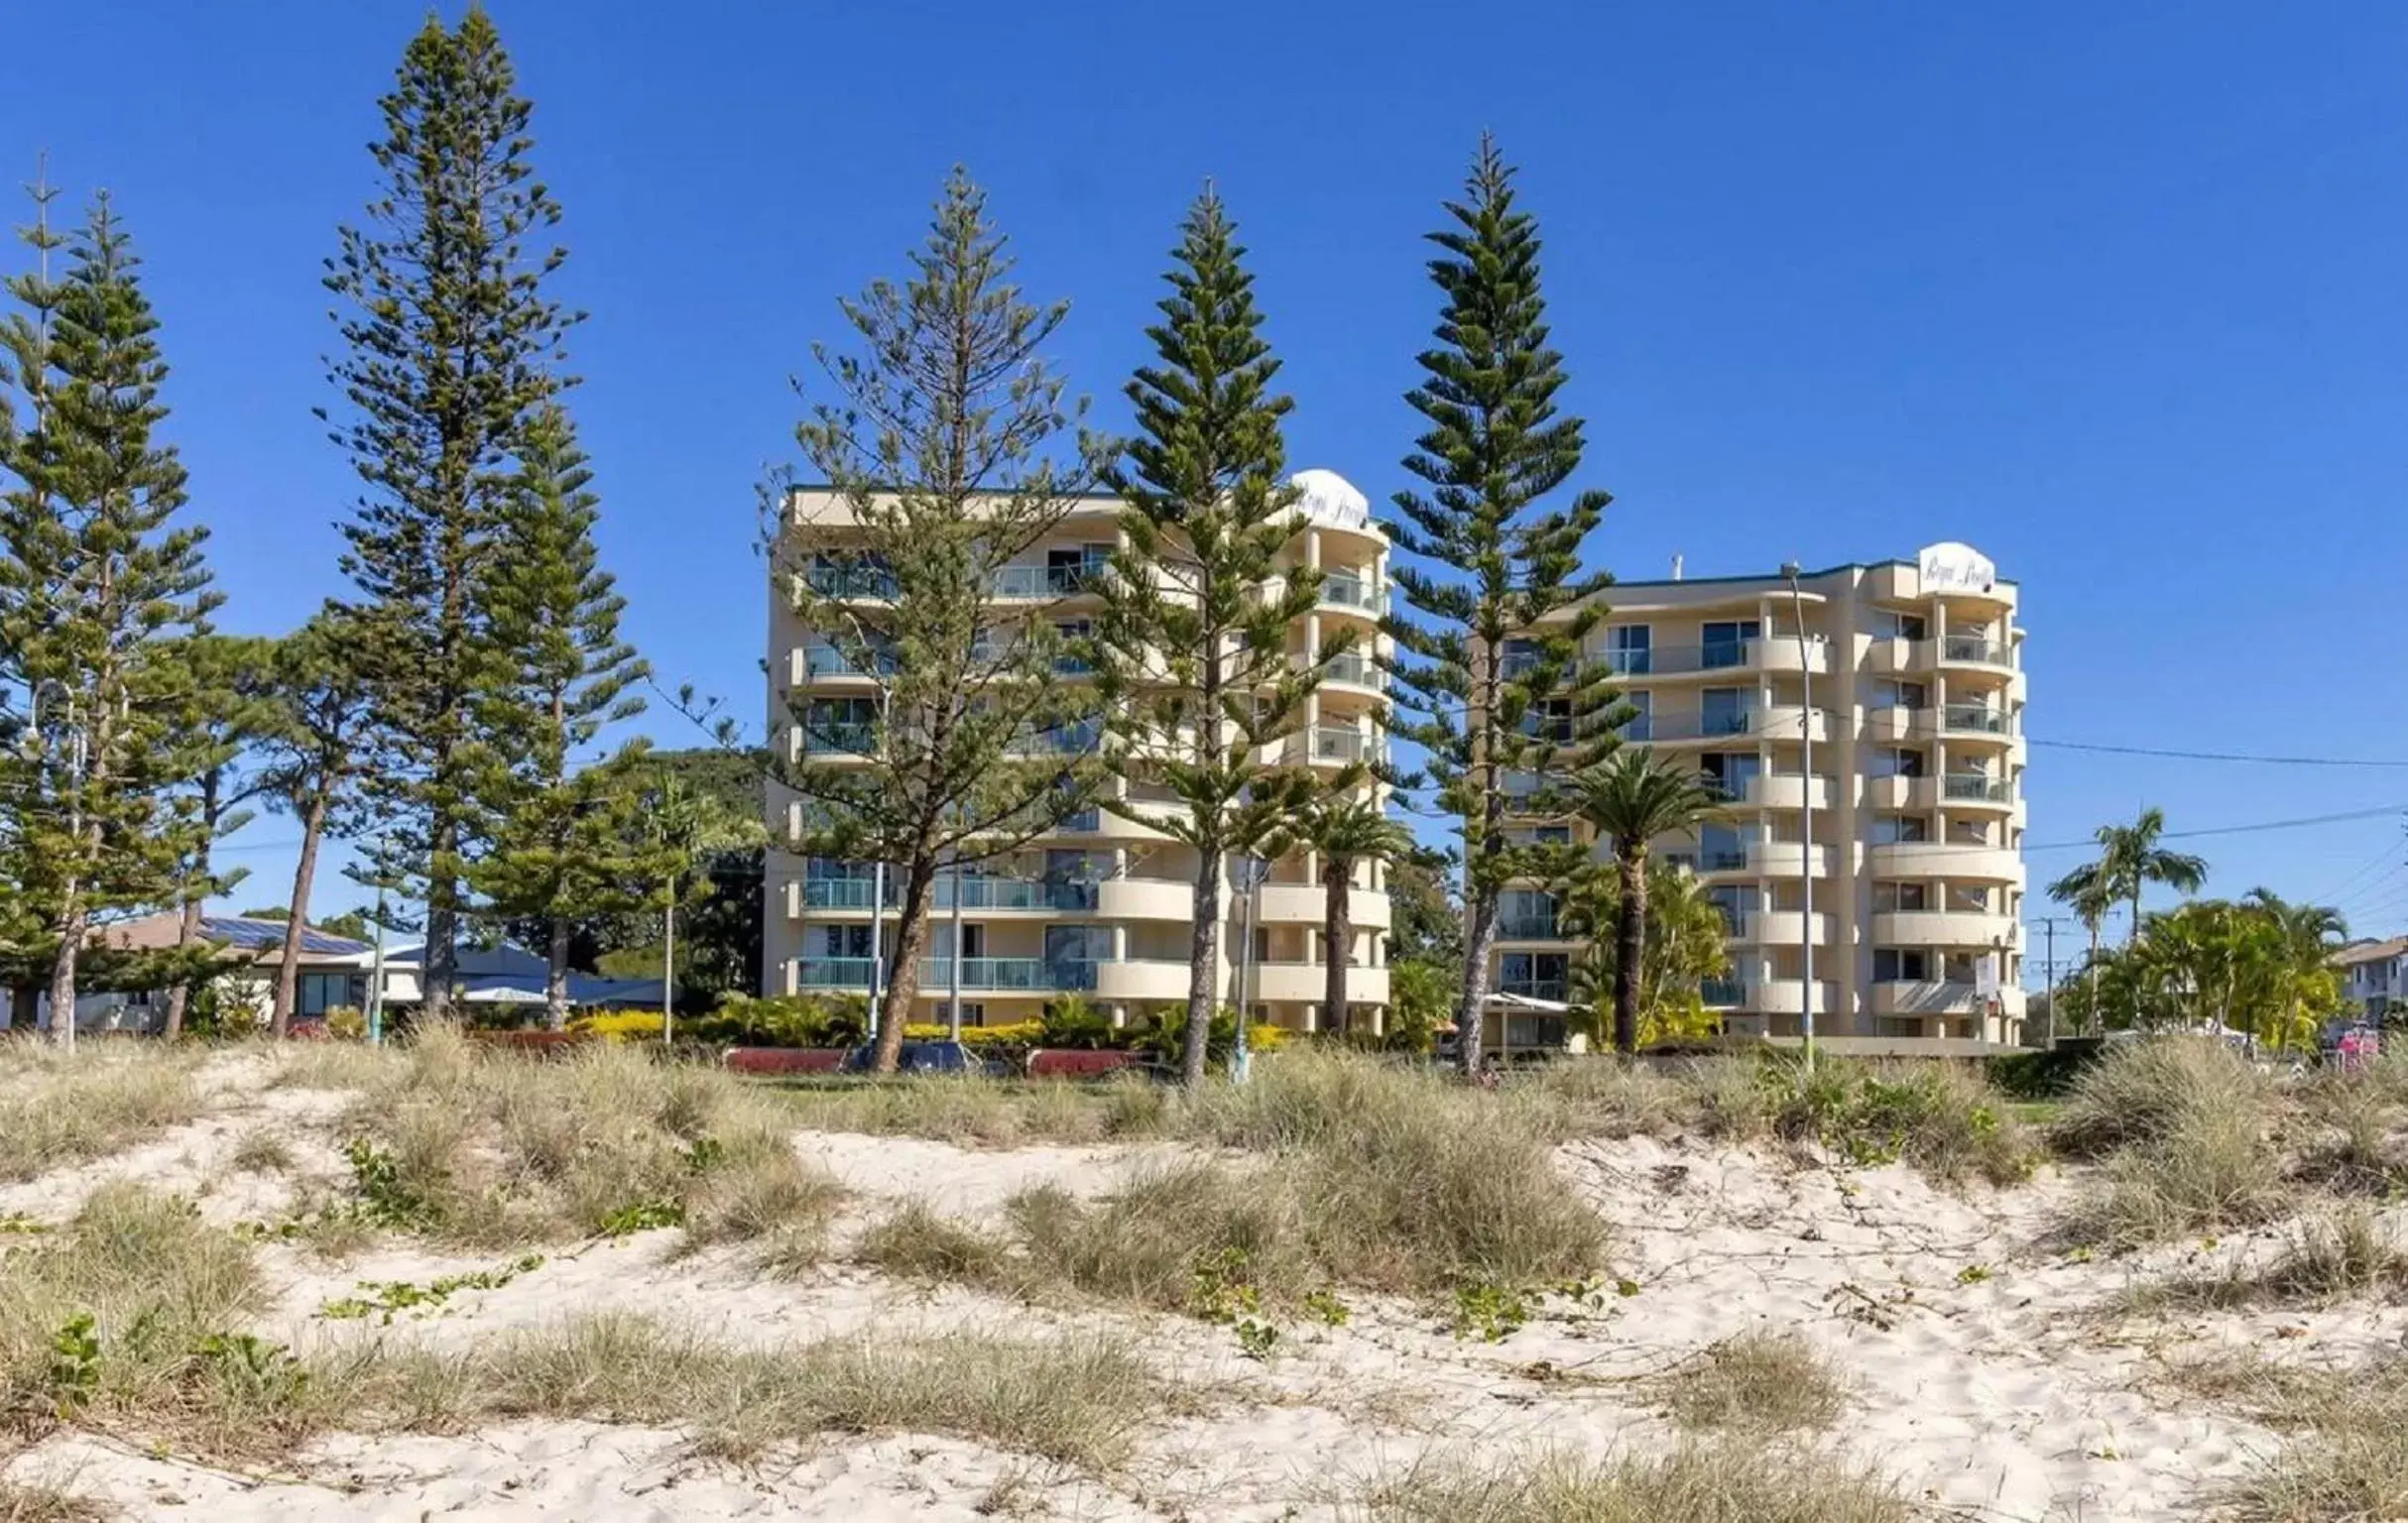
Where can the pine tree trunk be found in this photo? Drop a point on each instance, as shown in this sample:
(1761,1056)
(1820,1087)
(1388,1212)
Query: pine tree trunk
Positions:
(910,944)
(1479,941)
(1338,938)
(188,931)
(556,976)
(62,969)
(287,965)
(1630,946)
(1203,970)
(440,960)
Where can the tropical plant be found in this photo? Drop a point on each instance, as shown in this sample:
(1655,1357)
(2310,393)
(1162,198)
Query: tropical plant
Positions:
(1345,833)
(1636,796)
(2090,894)
(228,686)
(312,760)
(1197,585)
(1490,681)
(1685,943)
(2260,966)
(2130,860)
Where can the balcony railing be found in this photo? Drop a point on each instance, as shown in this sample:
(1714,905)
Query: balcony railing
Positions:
(821,660)
(1974,719)
(1977,787)
(839,738)
(1721,994)
(1975,647)
(1713,655)
(1335,745)
(851,581)
(1048,581)
(1528,925)
(1722,859)
(1017,893)
(1341,589)
(1691,727)
(834,972)
(1350,668)
(839,893)
(1534,989)
(1006,974)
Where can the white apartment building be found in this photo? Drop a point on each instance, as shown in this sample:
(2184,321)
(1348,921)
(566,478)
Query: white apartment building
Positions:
(1102,906)
(1907,680)
(2374,975)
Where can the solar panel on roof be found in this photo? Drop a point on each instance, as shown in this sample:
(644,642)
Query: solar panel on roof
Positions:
(268,935)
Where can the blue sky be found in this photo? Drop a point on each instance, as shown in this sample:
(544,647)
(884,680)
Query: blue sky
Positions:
(2118,295)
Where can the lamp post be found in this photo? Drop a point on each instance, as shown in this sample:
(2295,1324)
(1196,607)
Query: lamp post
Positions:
(1797,607)
(64,1035)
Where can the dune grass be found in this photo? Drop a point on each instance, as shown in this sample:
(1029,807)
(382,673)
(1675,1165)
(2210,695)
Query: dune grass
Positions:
(1759,1382)
(22,1503)
(58,1111)
(2180,1128)
(2334,1254)
(2344,1458)
(1730,1483)
(490,1149)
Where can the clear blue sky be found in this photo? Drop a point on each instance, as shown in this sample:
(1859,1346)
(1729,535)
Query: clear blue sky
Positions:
(2118,294)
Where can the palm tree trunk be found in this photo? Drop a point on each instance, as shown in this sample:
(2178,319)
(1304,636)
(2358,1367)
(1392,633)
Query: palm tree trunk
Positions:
(1203,969)
(1629,942)
(287,965)
(187,929)
(1337,940)
(910,942)
(2098,1016)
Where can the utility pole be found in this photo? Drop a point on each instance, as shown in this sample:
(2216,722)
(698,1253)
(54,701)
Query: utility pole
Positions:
(376,961)
(2048,927)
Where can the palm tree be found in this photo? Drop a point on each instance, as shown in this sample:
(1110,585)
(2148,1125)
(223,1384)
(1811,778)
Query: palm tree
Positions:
(2130,860)
(1345,832)
(1686,941)
(2090,896)
(1636,796)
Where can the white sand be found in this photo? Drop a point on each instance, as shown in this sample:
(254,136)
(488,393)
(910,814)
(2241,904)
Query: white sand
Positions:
(1986,1380)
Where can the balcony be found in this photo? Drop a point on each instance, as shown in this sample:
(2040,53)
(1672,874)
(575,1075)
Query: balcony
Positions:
(838,738)
(864,582)
(1975,650)
(1787,997)
(826,660)
(1954,928)
(1353,669)
(832,973)
(1775,653)
(1308,904)
(1530,925)
(1976,719)
(1342,589)
(1925,997)
(1723,993)
(1778,928)
(1017,893)
(1293,982)
(1944,860)
(1046,582)
(1976,788)
(1334,745)
(1008,975)
(1534,989)
(1766,859)
(839,893)
(1786,791)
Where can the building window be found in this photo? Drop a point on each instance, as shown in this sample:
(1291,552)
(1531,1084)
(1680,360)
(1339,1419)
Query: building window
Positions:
(1724,642)
(1535,975)
(1892,965)
(1896,896)
(1897,762)
(1894,625)
(1641,725)
(1732,770)
(1626,649)
(1891,829)
(322,991)
(1898,695)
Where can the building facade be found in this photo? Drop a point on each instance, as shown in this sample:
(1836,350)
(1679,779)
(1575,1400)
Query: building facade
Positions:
(1101,907)
(2374,976)
(1906,682)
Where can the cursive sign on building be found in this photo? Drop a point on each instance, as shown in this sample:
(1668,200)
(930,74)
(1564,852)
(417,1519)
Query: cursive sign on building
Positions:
(1953,568)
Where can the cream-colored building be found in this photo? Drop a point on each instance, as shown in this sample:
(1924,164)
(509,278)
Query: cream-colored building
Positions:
(1909,683)
(1102,906)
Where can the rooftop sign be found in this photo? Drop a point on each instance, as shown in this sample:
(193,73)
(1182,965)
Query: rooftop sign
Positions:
(1952,567)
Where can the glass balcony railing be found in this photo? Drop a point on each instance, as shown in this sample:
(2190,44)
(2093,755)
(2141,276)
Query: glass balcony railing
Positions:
(835,737)
(1017,893)
(833,972)
(1340,589)
(1350,668)
(1713,655)
(1975,647)
(838,892)
(1721,994)
(1974,719)
(1048,581)
(1006,974)
(1691,726)
(1722,859)
(829,661)
(1528,925)
(1976,787)
(1534,989)
(1335,745)
(838,580)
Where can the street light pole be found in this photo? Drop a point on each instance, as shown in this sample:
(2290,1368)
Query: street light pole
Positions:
(376,963)
(1797,607)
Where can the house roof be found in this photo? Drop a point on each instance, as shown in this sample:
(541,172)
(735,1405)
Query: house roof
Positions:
(2369,951)
(265,938)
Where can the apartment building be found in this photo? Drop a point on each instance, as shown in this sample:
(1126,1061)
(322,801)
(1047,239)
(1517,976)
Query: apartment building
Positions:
(1905,680)
(2374,974)
(1102,906)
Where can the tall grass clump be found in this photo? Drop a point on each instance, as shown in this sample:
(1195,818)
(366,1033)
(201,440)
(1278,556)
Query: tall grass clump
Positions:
(1943,1120)
(1080,1400)
(2180,1127)
(2332,1255)
(974,1110)
(2344,1459)
(57,1113)
(1758,1381)
(21,1503)
(494,1148)
(131,1316)
(1695,1483)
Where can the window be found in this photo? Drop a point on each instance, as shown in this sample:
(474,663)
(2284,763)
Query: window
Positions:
(1724,642)
(1735,902)
(1892,626)
(1641,726)
(1898,695)
(1732,770)
(1894,896)
(843,940)
(323,992)
(1551,835)
(1071,944)
(1069,662)
(1549,719)
(1525,914)
(1521,655)
(974,939)
(1075,567)
(1725,711)
(1626,649)
(1897,762)
(1721,848)
(1891,965)
(840,724)
(1533,975)
(1891,829)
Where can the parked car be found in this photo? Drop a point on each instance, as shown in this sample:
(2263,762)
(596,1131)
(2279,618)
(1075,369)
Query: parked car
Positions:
(927,1057)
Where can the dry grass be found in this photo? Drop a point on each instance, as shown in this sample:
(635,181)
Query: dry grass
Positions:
(1759,1382)
(2333,1255)
(2345,1458)
(130,1316)
(1692,1484)
(21,1503)
(493,1149)
(2181,1126)
(1078,1400)
(58,1112)
(916,1242)
(973,1110)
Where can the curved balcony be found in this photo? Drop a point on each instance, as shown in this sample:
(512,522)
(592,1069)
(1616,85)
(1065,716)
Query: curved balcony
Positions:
(1779,928)
(1942,928)
(1896,657)
(1893,723)
(1773,722)
(1789,858)
(1352,672)
(1366,909)
(1938,859)
(1788,791)
(1306,983)
(1926,996)
(1966,790)
(1145,898)
(1786,996)
(1974,654)
(1774,654)
(1977,724)
(1348,592)
(1144,981)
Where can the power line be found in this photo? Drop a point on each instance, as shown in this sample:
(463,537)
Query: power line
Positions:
(2237,830)
(2214,756)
